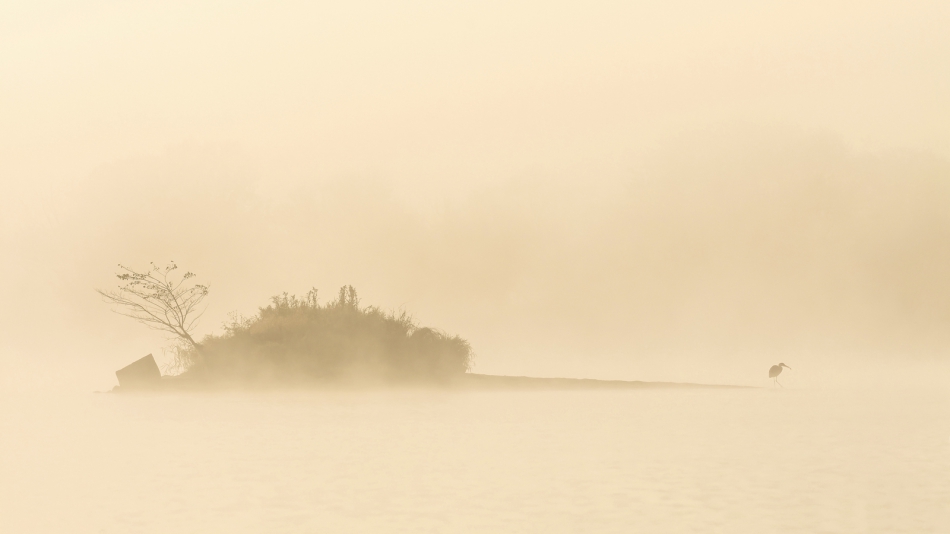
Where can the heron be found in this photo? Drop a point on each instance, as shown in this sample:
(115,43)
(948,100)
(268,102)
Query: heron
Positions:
(776,370)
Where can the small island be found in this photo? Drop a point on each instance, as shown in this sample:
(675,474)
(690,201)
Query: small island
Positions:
(298,342)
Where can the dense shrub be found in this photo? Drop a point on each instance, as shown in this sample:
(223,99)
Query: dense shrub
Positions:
(297,339)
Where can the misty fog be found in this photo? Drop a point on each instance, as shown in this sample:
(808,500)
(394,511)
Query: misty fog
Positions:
(463,207)
(660,190)
(722,250)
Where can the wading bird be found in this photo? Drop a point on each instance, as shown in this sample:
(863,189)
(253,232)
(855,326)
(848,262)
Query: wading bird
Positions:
(776,370)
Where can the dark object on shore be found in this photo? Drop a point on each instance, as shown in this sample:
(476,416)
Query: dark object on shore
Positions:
(140,374)
(776,370)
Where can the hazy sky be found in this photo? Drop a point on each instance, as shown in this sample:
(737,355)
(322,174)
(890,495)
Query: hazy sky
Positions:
(675,190)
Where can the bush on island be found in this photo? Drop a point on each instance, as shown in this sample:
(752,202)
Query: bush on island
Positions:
(298,340)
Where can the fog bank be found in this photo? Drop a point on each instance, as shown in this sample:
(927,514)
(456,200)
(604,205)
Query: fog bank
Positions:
(665,191)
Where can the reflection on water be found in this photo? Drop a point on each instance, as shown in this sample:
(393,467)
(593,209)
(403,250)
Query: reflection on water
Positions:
(584,461)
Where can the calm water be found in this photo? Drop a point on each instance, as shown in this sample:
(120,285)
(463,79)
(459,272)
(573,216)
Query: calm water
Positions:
(650,461)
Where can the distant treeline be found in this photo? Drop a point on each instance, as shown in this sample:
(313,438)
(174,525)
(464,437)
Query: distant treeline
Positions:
(297,339)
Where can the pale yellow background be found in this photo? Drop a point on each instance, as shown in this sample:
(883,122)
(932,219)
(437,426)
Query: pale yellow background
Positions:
(638,190)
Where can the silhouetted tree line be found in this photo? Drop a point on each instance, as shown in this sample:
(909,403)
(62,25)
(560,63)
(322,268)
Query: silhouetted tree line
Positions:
(297,339)
(292,339)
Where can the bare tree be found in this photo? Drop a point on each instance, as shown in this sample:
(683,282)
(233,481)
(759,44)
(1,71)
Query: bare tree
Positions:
(159,300)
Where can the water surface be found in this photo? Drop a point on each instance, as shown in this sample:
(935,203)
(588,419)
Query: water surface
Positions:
(503,461)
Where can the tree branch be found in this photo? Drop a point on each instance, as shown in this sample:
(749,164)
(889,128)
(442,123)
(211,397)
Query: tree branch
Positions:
(158,301)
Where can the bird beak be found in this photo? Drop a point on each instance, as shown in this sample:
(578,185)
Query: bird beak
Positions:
(787,367)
